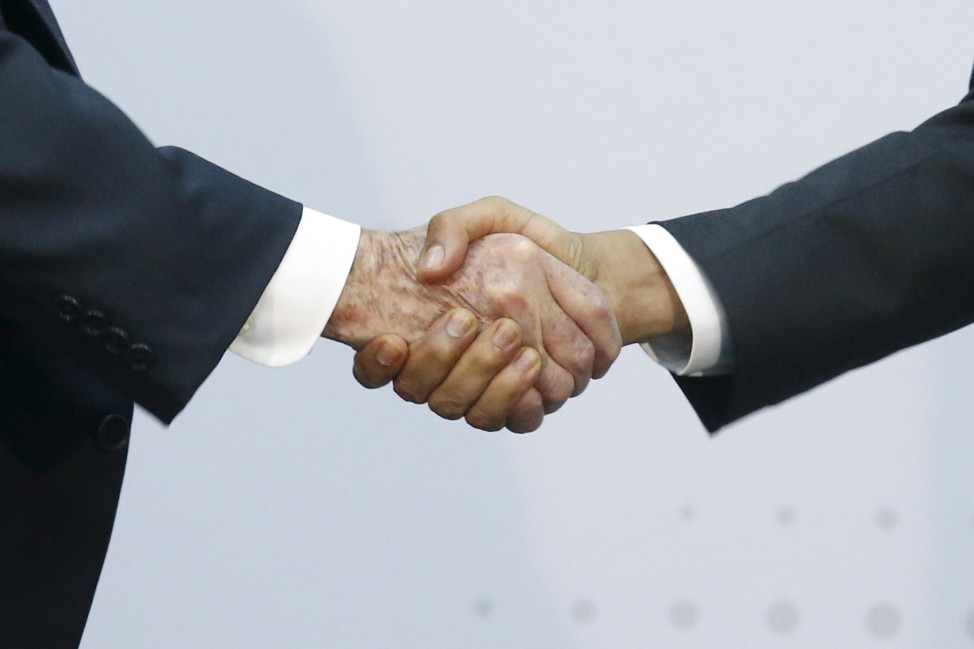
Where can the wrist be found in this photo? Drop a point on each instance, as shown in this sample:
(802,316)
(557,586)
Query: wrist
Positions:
(381,294)
(641,295)
(347,319)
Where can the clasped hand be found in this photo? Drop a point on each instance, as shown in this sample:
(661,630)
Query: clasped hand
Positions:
(506,338)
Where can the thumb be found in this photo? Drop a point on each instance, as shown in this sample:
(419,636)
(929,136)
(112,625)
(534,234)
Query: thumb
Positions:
(450,233)
(447,240)
(380,361)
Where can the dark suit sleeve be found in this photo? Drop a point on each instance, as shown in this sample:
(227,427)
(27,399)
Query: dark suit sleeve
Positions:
(867,255)
(163,253)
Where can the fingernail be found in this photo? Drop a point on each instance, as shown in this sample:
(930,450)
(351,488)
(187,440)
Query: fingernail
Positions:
(433,258)
(505,334)
(526,360)
(387,354)
(458,324)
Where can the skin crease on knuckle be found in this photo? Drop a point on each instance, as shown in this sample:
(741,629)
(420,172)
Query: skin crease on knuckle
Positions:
(489,359)
(408,391)
(555,385)
(446,407)
(483,421)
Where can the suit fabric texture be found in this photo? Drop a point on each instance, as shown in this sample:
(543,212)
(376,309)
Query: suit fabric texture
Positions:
(127,270)
(869,254)
(125,273)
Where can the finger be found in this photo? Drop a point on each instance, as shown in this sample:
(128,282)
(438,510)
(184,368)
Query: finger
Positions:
(505,392)
(587,307)
(449,233)
(556,384)
(528,414)
(527,299)
(380,360)
(486,357)
(569,348)
(432,357)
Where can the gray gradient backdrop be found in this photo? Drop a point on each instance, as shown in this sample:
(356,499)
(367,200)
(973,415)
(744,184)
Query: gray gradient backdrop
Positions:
(291,508)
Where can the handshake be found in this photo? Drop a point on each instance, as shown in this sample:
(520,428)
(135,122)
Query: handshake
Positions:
(497,314)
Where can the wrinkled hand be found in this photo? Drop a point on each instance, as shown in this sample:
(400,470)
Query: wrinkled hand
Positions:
(639,293)
(558,312)
(616,261)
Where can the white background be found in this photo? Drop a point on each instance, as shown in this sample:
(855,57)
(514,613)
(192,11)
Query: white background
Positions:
(291,508)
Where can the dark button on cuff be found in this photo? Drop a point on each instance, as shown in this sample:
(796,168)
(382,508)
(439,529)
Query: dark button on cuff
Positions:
(116,341)
(141,357)
(68,308)
(113,433)
(94,323)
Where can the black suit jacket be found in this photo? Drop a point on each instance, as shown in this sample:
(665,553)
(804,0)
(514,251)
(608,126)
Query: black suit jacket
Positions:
(867,255)
(125,273)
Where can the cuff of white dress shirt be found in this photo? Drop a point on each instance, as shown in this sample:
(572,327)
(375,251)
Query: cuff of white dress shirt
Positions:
(299,299)
(706,351)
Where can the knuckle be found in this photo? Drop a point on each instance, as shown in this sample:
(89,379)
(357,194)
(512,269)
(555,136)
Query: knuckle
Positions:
(439,219)
(558,393)
(496,200)
(501,287)
(512,296)
(446,407)
(597,310)
(615,349)
(509,245)
(585,357)
(601,312)
(527,416)
(612,345)
(485,363)
(407,392)
(482,420)
(564,393)
(509,295)
(522,248)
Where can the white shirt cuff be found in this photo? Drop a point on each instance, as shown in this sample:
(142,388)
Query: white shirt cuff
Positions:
(708,350)
(300,297)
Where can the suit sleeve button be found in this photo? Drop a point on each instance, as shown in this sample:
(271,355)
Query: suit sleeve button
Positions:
(94,323)
(116,341)
(113,433)
(141,357)
(68,308)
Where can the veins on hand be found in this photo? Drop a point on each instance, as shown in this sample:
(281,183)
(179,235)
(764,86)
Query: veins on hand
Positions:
(382,294)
